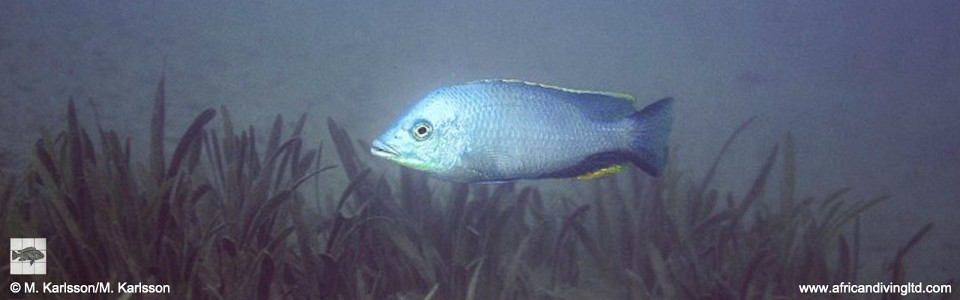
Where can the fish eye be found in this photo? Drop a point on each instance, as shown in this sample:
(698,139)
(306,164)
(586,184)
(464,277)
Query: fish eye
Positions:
(421,130)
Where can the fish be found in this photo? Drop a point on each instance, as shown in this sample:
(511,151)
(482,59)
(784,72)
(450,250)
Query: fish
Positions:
(28,253)
(501,130)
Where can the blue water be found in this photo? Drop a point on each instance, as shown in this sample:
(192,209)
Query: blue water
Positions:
(870,89)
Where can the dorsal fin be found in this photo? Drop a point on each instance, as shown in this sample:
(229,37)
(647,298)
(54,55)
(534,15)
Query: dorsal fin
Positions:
(617,95)
(601,106)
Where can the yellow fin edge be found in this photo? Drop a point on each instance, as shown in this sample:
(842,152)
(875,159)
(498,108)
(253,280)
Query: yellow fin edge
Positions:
(618,95)
(614,169)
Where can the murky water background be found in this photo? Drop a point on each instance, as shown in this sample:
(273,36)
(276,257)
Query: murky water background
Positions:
(871,89)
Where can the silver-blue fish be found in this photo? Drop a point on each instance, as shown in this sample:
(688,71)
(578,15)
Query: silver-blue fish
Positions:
(504,130)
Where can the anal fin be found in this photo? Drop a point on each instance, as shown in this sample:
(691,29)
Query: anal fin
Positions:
(605,171)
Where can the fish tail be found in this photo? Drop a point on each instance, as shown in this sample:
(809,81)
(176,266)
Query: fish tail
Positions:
(14,254)
(649,136)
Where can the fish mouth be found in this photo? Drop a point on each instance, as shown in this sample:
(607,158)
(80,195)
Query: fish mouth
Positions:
(381,149)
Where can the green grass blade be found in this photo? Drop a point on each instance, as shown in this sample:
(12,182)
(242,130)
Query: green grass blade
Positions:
(192,135)
(156,132)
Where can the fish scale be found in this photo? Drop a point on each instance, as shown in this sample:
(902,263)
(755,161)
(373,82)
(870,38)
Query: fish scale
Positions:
(507,143)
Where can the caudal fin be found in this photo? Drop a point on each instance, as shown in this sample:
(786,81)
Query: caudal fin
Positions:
(649,138)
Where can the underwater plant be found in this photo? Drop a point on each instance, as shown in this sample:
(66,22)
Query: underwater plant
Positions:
(211,221)
(230,215)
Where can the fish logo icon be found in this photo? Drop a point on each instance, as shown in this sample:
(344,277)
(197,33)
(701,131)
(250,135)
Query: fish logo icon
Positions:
(28,253)
(28,256)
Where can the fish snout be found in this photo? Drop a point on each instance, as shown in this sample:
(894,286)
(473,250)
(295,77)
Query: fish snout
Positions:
(381,149)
